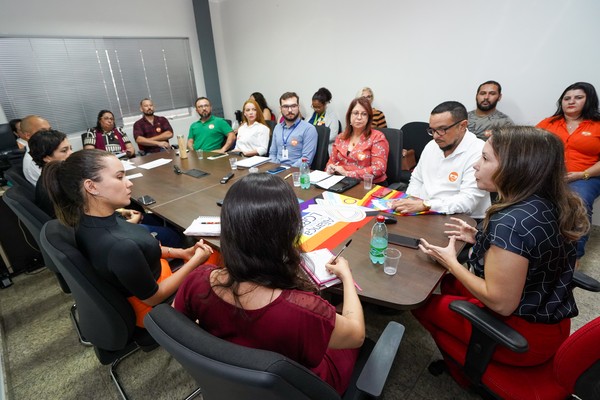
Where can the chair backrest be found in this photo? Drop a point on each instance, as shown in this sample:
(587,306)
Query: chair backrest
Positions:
(577,361)
(416,137)
(394,161)
(19,201)
(271,124)
(106,318)
(322,153)
(226,370)
(16,177)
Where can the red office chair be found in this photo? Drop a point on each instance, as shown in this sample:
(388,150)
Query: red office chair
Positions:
(575,369)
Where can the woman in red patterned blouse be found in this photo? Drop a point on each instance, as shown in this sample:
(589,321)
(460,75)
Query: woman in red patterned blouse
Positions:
(360,150)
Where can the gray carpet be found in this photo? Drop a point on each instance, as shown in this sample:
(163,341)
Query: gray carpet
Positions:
(44,360)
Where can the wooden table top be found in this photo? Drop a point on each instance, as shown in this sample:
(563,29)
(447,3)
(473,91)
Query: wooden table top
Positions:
(182,198)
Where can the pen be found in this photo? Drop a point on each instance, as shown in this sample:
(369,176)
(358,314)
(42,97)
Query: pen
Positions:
(287,176)
(340,252)
(210,223)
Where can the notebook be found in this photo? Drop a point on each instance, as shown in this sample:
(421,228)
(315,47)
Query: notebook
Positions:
(314,265)
(204,226)
(252,161)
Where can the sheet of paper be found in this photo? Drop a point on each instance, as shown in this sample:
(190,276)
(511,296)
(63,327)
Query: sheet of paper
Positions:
(204,226)
(329,182)
(252,161)
(133,176)
(318,176)
(128,165)
(155,163)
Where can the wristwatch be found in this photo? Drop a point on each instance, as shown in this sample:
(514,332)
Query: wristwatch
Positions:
(586,175)
(426,205)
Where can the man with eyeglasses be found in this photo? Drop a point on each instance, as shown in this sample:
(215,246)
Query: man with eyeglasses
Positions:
(293,138)
(444,179)
(210,133)
(485,116)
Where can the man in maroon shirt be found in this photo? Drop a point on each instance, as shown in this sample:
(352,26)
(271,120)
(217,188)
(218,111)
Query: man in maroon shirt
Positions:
(152,132)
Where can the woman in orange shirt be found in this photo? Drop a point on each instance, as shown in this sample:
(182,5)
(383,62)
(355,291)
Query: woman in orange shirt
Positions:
(577,123)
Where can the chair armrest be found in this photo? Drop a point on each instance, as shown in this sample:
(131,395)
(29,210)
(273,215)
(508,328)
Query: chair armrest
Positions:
(487,332)
(586,282)
(377,368)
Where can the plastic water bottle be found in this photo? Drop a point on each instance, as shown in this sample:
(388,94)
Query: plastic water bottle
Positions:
(305,176)
(379,241)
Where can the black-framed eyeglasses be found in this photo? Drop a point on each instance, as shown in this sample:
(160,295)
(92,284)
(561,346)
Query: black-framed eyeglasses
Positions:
(289,106)
(442,131)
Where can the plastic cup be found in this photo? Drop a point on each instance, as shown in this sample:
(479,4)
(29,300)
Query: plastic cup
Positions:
(200,154)
(233,162)
(253,170)
(368,181)
(296,178)
(392,259)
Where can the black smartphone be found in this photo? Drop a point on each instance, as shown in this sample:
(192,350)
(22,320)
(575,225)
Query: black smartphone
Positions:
(146,200)
(220,203)
(405,241)
(276,170)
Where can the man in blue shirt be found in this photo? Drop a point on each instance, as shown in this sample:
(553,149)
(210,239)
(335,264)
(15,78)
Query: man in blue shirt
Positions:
(293,138)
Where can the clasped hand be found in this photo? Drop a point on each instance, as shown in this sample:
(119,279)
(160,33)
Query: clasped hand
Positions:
(199,253)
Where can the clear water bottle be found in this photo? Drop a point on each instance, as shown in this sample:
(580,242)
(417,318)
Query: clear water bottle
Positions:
(305,175)
(379,241)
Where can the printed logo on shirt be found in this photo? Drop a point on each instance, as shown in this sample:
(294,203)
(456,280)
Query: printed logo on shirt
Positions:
(211,126)
(586,133)
(361,156)
(294,142)
(453,176)
(158,129)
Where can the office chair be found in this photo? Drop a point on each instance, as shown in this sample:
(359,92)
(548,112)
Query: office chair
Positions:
(225,370)
(106,318)
(322,152)
(271,124)
(575,369)
(414,137)
(15,176)
(394,161)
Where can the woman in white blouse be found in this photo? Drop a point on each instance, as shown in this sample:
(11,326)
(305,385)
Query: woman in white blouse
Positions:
(253,134)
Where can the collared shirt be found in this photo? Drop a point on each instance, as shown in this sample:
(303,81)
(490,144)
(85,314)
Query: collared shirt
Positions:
(111,141)
(479,125)
(143,127)
(300,140)
(209,135)
(30,169)
(448,183)
(253,137)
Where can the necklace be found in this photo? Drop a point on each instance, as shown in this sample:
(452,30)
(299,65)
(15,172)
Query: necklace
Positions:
(573,124)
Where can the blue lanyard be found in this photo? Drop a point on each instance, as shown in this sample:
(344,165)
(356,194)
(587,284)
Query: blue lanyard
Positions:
(285,139)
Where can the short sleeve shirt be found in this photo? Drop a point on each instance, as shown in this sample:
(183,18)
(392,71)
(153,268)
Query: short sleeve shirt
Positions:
(111,141)
(209,135)
(143,127)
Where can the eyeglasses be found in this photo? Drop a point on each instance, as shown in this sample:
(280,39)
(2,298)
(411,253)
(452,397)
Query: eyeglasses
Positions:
(203,106)
(357,114)
(289,107)
(442,131)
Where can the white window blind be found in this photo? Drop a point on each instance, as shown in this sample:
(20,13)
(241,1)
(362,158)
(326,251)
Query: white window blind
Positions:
(69,80)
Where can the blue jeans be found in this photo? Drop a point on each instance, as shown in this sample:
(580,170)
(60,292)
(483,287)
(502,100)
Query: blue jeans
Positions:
(588,191)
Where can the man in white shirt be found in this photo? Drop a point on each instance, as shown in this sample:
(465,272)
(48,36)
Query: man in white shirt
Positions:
(30,125)
(444,179)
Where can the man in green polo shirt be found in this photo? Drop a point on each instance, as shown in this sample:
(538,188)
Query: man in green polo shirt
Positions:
(210,133)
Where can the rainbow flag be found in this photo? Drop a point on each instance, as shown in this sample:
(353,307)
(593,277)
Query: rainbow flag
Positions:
(373,200)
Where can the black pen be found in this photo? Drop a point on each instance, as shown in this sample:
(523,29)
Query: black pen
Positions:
(340,252)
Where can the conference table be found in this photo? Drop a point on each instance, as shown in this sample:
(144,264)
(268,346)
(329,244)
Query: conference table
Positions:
(181,198)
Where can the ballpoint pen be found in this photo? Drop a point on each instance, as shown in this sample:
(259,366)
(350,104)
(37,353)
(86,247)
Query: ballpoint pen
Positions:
(340,252)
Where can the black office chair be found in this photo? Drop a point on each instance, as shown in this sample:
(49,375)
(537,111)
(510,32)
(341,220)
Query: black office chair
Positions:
(414,137)
(106,318)
(15,176)
(322,152)
(225,370)
(394,161)
(271,124)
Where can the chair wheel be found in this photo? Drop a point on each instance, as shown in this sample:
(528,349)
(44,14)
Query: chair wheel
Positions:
(437,368)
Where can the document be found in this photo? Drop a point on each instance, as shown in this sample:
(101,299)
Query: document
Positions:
(128,165)
(252,161)
(329,182)
(318,176)
(314,265)
(133,176)
(204,226)
(155,163)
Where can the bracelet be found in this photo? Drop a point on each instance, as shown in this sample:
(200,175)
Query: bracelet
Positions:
(168,252)
(586,175)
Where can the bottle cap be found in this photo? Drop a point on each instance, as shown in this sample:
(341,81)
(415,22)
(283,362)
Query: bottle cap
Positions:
(380,218)
(304,159)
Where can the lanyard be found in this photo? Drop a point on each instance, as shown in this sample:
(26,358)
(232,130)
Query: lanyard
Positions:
(285,139)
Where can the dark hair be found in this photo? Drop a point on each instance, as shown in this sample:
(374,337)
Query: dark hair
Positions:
(322,95)
(260,232)
(456,109)
(366,104)
(43,144)
(144,99)
(288,95)
(260,100)
(13,124)
(64,182)
(590,108)
(491,83)
(531,161)
(100,115)
(201,98)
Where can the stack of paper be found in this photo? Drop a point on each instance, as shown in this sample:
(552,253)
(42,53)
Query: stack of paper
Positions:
(314,265)
(317,176)
(204,226)
(329,182)
(252,161)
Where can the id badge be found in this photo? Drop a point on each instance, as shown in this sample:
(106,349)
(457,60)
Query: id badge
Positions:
(284,154)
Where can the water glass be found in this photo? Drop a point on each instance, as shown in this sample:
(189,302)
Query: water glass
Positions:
(392,259)
(296,178)
(233,163)
(200,154)
(368,181)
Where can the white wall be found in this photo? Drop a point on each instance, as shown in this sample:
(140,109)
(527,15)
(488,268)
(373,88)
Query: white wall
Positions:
(414,54)
(129,18)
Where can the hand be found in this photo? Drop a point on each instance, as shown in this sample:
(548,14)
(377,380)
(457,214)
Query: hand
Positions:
(461,231)
(132,216)
(573,176)
(330,169)
(164,145)
(341,268)
(200,252)
(443,255)
(220,151)
(408,206)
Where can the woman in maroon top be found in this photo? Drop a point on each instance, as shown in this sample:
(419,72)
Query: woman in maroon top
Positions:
(261,298)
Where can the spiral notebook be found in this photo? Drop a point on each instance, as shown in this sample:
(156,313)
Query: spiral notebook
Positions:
(314,265)
(204,226)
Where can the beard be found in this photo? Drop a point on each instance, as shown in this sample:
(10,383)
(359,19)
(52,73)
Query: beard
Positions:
(289,118)
(149,113)
(487,107)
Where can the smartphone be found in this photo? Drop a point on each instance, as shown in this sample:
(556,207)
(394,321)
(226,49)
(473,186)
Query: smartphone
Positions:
(276,170)
(405,241)
(382,193)
(146,200)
